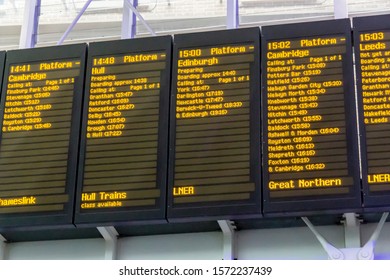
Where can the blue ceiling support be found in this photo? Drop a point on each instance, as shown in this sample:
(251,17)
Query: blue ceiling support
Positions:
(29,31)
(74,22)
(233,15)
(129,4)
(340,9)
(129,20)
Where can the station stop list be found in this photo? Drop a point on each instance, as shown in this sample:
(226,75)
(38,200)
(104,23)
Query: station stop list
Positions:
(307,85)
(375,72)
(36,134)
(213,88)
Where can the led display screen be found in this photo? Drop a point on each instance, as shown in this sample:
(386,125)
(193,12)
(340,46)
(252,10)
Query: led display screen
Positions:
(40,120)
(215,125)
(372,49)
(123,160)
(310,154)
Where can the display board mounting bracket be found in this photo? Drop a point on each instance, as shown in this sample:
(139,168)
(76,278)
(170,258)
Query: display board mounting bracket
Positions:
(110,235)
(229,239)
(3,244)
(364,253)
(351,224)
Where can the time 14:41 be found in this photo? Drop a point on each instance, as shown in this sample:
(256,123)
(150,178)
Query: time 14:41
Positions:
(20,68)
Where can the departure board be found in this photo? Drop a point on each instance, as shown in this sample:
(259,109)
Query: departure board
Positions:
(215,125)
(40,116)
(309,118)
(124,141)
(2,61)
(372,49)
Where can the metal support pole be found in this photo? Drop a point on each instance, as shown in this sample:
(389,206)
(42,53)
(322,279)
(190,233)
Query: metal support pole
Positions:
(367,251)
(333,252)
(352,230)
(233,19)
(340,9)
(74,22)
(110,235)
(29,31)
(139,16)
(3,248)
(229,239)
(356,253)
(129,20)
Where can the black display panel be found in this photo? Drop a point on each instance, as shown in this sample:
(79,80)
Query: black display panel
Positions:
(40,122)
(372,49)
(2,62)
(215,126)
(124,140)
(310,153)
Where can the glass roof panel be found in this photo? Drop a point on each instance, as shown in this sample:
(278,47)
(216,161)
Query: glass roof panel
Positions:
(363,7)
(271,12)
(11,18)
